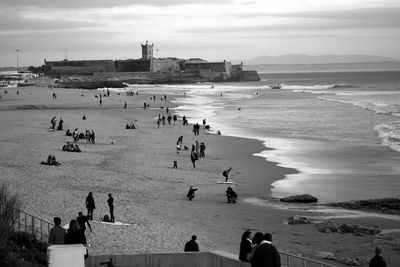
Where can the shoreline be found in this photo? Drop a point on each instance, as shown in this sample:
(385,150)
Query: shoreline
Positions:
(149,194)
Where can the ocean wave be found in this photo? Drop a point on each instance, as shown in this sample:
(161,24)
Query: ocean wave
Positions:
(377,107)
(390,134)
(316,87)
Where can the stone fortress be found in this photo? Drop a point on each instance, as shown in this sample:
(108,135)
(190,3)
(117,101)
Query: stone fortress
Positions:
(146,70)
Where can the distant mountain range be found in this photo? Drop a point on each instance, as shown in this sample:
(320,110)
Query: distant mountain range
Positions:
(306,59)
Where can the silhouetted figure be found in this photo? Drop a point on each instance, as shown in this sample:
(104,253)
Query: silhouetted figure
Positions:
(90,206)
(245,246)
(231,195)
(82,221)
(190,194)
(225,173)
(192,245)
(57,233)
(265,255)
(110,202)
(377,260)
(73,235)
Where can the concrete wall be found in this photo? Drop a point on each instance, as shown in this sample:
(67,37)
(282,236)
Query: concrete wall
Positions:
(188,259)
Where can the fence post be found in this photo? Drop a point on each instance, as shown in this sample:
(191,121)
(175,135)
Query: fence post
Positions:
(33,225)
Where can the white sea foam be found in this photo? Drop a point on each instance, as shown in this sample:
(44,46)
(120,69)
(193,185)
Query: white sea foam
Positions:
(390,134)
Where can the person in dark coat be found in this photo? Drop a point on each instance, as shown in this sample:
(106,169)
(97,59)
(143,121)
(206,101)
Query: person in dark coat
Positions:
(73,235)
(377,260)
(110,202)
(192,245)
(90,206)
(190,194)
(245,246)
(265,255)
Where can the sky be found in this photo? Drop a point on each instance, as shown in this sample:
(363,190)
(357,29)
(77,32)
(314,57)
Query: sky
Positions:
(208,29)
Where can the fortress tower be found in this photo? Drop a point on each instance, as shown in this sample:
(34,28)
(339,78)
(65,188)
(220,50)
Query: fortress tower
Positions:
(147,50)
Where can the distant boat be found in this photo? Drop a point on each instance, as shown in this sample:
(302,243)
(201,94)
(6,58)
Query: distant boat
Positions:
(276,86)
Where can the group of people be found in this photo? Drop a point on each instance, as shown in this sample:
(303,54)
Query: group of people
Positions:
(130,126)
(259,250)
(75,234)
(196,129)
(71,147)
(53,123)
(90,206)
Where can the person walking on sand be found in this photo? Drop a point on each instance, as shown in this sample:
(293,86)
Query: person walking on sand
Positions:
(90,206)
(57,233)
(377,260)
(192,246)
(82,221)
(193,158)
(110,202)
(225,173)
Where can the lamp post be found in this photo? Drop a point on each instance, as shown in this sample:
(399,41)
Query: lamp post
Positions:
(17,59)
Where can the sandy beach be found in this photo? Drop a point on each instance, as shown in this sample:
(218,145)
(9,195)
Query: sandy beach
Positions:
(136,166)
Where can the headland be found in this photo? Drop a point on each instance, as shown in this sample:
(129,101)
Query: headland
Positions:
(91,74)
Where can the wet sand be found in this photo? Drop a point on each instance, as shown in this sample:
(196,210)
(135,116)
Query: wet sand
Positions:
(149,195)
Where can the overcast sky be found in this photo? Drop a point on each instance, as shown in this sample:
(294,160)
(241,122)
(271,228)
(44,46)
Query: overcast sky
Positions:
(209,29)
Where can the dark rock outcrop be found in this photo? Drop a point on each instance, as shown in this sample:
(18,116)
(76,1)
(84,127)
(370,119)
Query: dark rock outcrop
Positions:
(327,227)
(298,220)
(384,205)
(306,198)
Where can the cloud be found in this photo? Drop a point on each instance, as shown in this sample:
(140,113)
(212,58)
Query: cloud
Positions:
(76,4)
(313,20)
(16,22)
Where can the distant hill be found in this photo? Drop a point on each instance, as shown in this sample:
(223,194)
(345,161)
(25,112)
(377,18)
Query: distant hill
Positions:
(306,59)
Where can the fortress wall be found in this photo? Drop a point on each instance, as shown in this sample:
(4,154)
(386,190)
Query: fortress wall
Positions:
(80,66)
(166,65)
(134,65)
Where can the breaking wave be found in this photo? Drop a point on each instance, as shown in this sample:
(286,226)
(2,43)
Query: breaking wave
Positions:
(390,134)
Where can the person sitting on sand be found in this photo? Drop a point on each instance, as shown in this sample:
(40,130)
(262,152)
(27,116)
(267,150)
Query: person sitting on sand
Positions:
(68,133)
(231,195)
(84,117)
(190,194)
(77,148)
(225,173)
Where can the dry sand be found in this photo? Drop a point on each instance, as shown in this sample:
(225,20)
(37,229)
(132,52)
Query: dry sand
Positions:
(149,194)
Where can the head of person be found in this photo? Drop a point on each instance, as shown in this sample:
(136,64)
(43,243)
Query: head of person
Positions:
(73,226)
(246,235)
(109,195)
(57,220)
(378,250)
(194,237)
(80,214)
(90,194)
(268,237)
(257,238)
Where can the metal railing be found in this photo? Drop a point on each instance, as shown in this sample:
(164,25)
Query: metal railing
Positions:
(31,224)
(291,260)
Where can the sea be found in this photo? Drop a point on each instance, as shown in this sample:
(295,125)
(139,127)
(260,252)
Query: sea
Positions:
(337,125)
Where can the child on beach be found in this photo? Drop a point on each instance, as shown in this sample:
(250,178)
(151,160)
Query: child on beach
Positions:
(231,195)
